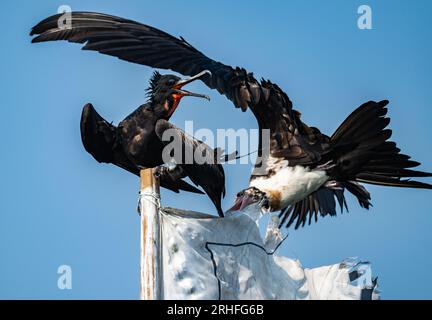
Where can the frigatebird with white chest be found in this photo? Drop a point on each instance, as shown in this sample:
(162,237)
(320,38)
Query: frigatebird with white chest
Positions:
(303,171)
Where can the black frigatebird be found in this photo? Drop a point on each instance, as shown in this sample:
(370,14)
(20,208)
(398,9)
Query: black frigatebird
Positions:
(303,171)
(138,141)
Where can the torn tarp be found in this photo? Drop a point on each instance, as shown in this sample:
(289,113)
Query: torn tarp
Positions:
(206,257)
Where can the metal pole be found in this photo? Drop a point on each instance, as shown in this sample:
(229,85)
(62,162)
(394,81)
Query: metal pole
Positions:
(151,249)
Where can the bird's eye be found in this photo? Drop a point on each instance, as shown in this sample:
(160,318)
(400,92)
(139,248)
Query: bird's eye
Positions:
(256,198)
(240,194)
(171,82)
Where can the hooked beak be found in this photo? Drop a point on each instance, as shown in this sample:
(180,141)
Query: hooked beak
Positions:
(241,203)
(178,86)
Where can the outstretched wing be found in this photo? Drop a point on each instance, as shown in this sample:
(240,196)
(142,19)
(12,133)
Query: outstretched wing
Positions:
(99,139)
(198,160)
(142,44)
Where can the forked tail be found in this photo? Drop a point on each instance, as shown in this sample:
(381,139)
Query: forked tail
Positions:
(363,153)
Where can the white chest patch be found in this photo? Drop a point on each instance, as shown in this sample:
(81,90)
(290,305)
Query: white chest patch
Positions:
(292,183)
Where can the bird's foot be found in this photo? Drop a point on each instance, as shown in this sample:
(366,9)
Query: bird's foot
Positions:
(332,184)
(159,171)
(325,166)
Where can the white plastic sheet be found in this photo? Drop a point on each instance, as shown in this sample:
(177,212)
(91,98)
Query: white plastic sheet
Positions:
(205,257)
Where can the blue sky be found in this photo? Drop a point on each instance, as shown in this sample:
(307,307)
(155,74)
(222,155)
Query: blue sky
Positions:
(58,206)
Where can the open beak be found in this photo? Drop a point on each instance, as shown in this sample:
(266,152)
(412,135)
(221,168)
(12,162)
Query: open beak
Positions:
(241,203)
(179,85)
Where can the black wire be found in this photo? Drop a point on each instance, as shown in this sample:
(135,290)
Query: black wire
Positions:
(269,253)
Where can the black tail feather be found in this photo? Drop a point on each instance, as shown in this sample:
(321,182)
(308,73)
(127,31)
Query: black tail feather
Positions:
(363,153)
(381,180)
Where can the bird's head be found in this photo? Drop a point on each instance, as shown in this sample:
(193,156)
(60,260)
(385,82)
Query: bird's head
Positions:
(166,91)
(251,199)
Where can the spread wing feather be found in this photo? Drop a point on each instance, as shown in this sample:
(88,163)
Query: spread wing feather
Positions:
(200,162)
(146,45)
(99,139)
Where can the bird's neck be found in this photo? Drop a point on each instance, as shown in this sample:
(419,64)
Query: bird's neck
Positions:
(171,107)
(164,109)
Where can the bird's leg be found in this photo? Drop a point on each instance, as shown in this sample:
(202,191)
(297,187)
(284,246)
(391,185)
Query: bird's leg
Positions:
(172,170)
(333,184)
(325,166)
(159,171)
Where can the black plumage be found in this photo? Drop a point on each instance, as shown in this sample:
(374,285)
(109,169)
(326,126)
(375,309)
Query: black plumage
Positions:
(358,152)
(137,142)
(100,139)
